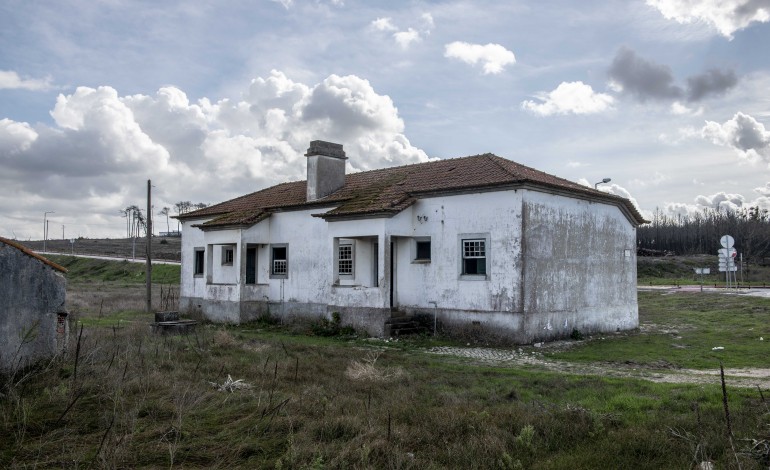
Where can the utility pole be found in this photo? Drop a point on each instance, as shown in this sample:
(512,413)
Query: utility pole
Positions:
(45,227)
(62,231)
(148,270)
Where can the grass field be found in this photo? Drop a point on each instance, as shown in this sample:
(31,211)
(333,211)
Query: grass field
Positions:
(680,270)
(272,396)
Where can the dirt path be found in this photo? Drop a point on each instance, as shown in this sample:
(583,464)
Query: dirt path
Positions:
(746,378)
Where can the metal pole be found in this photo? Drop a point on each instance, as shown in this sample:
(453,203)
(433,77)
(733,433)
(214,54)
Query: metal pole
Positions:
(148,270)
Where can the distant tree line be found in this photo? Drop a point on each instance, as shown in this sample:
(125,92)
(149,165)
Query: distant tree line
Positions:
(700,233)
(136,223)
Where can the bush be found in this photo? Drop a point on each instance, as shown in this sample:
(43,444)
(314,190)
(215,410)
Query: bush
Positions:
(331,327)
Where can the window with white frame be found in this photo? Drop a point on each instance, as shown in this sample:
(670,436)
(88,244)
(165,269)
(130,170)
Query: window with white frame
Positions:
(345,259)
(279,261)
(474,252)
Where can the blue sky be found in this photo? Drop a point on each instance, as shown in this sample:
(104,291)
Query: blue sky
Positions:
(212,100)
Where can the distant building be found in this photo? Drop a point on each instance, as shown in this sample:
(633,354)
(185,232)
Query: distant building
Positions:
(480,242)
(33,321)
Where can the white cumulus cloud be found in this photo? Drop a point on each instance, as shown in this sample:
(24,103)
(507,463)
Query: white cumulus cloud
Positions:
(406,38)
(726,16)
(569,98)
(102,147)
(493,57)
(10,80)
(15,136)
(747,136)
(384,24)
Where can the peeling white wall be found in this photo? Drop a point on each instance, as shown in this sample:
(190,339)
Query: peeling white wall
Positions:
(554,263)
(580,261)
(446,220)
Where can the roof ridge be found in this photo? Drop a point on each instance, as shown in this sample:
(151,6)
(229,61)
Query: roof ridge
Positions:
(496,160)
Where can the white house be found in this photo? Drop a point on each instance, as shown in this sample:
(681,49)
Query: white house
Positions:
(480,242)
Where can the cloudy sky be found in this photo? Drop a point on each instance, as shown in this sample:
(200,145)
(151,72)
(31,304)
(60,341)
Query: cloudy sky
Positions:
(215,99)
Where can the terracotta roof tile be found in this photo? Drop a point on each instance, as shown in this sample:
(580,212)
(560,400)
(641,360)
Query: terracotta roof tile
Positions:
(390,190)
(31,253)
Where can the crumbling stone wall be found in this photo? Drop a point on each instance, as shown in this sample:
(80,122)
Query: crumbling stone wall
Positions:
(32,295)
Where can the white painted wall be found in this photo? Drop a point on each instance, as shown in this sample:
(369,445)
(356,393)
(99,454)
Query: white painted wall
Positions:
(580,259)
(190,285)
(550,260)
(496,215)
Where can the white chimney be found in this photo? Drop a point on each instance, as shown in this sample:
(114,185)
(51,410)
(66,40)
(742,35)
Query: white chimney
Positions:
(325,169)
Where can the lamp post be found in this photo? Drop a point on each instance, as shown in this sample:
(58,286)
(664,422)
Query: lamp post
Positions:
(45,227)
(605,180)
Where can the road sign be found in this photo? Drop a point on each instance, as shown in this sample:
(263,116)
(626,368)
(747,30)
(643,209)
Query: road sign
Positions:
(727,241)
(731,269)
(727,252)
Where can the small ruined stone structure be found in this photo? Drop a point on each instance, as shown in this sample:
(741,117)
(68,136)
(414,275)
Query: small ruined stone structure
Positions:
(479,242)
(33,321)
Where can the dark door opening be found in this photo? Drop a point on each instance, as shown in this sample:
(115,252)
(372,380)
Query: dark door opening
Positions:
(251,265)
(393,297)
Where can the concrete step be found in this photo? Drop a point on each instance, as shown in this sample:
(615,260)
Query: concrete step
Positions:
(403,326)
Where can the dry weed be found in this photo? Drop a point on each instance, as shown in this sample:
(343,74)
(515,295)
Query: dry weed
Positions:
(367,370)
(231,385)
(224,339)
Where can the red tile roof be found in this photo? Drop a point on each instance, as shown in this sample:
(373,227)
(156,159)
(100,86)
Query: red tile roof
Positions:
(390,190)
(31,253)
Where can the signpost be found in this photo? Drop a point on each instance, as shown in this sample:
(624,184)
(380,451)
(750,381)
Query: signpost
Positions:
(702,271)
(727,258)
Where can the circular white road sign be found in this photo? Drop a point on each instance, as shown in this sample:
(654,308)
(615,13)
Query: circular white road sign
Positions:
(727,241)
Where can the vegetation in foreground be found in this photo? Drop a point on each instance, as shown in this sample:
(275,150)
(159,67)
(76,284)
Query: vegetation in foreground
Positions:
(259,396)
(263,396)
(224,398)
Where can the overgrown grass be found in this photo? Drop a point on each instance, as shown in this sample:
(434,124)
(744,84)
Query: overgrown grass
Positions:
(681,330)
(127,398)
(270,396)
(140,400)
(122,272)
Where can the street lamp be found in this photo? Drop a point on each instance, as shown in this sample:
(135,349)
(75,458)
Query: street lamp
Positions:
(605,180)
(45,226)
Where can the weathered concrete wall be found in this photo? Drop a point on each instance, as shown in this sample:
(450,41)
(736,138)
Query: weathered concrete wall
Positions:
(579,266)
(324,176)
(447,220)
(31,296)
(553,264)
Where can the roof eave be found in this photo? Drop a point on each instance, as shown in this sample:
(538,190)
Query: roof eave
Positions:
(32,254)
(358,215)
(212,228)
